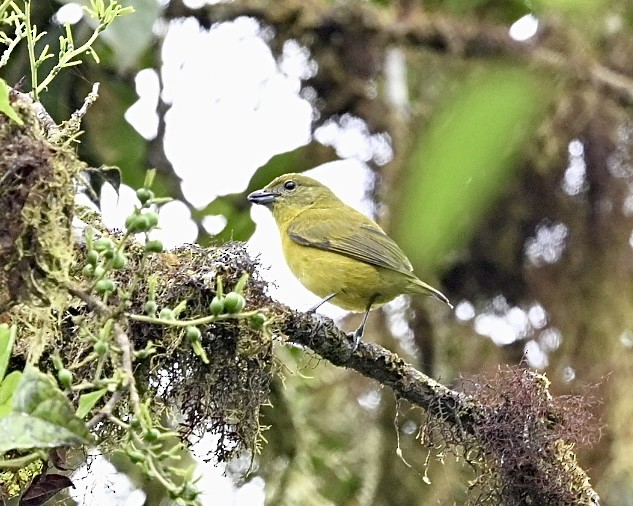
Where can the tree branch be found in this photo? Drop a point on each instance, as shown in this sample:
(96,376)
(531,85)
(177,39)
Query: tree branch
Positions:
(321,335)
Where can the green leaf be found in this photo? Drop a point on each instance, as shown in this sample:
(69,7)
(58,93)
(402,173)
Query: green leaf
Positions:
(576,8)
(41,416)
(88,401)
(7,389)
(462,160)
(298,160)
(7,338)
(5,103)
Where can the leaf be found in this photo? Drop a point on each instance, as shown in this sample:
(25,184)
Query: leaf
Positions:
(5,103)
(43,487)
(7,389)
(95,179)
(7,338)
(88,401)
(41,416)
(462,159)
(298,160)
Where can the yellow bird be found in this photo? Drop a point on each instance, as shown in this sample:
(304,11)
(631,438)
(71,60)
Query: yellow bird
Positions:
(335,251)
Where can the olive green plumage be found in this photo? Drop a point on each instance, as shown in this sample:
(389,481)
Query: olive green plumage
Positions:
(333,249)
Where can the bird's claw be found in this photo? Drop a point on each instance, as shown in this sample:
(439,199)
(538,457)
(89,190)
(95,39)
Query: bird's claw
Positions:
(355,337)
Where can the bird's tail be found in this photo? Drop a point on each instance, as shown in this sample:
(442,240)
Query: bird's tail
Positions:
(422,287)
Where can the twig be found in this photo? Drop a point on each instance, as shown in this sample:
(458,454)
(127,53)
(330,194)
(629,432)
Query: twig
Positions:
(105,411)
(73,125)
(127,349)
(91,301)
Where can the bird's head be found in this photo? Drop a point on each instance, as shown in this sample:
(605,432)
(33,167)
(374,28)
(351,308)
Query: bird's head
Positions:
(292,193)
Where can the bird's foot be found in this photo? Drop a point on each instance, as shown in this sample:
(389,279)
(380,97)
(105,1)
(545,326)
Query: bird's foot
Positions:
(356,336)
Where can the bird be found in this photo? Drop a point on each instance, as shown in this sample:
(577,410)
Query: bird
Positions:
(335,251)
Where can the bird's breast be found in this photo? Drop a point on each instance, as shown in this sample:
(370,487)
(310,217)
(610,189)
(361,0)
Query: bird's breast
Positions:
(324,272)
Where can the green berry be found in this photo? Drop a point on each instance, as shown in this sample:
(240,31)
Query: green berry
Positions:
(101,347)
(118,260)
(150,307)
(143,194)
(154,246)
(152,217)
(104,285)
(139,224)
(257,321)
(99,271)
(217,305)
(130,219)
(234,302)
(151,435)
(88,270)
(193,333)
(65,377)
(104,244)
(92,257)
(166,314)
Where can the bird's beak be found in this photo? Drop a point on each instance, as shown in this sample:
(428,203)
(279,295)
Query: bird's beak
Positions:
(263,197)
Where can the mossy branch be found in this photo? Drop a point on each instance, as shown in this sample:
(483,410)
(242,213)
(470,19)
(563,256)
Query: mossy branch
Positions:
(526,434)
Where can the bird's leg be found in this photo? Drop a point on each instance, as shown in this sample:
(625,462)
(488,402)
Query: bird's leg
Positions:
(358,333)
(321,302)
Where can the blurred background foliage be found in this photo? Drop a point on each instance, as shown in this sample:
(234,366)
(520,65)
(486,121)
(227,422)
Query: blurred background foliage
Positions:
(509,183)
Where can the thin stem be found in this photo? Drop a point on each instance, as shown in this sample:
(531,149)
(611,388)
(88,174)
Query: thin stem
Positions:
(203,320)
(158,474)
(31,47)
(106,410)
(11,45)
(20,462)
(68,56)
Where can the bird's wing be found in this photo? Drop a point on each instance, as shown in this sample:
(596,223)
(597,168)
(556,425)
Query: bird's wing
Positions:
(360,238)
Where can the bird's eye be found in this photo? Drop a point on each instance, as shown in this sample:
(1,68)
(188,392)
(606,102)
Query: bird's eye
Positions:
(290,185)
